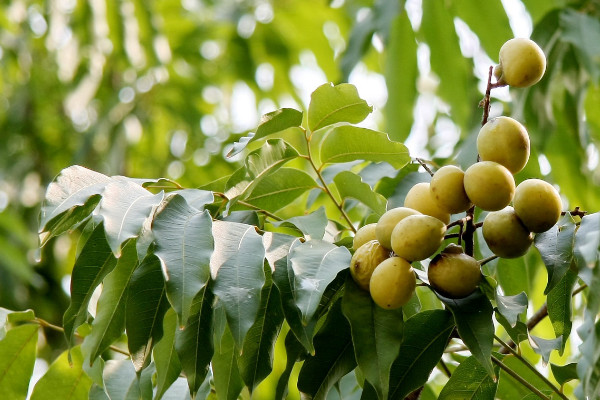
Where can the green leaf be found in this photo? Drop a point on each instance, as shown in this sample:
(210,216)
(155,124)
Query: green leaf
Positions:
(8,317)
(311,225)
(95,261)
(334,356)
(64,379)
(228,382)
(559,307)
(110,317)
(331,104)
(194,343)
(556,248)
(470,381)
(165,357)
(145,308)
(294,351)
(121,381)
(315,264)
(256,361)
(238,264)
(17,356)
(351,185)
(473,318)
(184,243)
(511,306)
(587,365)
(544,347)
(273,122)
(583,31)
(124,207)
(564,373)
(376,335)
(510,389)
(401,73)
(349,143)
(517,332)
(425,337)
(587,243)
(283,187)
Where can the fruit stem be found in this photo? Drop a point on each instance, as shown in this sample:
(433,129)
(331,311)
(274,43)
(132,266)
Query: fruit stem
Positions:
(424,165)
(487,260)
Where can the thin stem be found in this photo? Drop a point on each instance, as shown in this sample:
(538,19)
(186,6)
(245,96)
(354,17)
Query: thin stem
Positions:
(444,368)
(424,165)
(260,210)
(487,259)
(522,381)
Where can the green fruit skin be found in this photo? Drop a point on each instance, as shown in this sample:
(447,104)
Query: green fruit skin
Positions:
(417,237)
(419,198)
(522,63)
(388,221)
(393,283)
(363,235)
(454,275)
(489,185)
(505,234)
(537,204)
(505,141)
(364,260)
(447,189)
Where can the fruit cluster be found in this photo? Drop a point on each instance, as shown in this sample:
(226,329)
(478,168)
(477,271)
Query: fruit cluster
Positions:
(385,250)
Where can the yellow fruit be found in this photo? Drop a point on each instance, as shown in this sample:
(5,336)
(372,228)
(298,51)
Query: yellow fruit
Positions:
(388,221)
(417,237)
(522,63)
(419,198)
(447,189)
(453,273)
(489,185)
(505,141)
(393,283)
(505,234)
(363,235)
(537,204)
(364,261)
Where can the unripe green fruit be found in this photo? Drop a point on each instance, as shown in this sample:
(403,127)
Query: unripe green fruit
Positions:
(419,198)
(489,185)
(522,63)
(417,237)
(364,261)
(505,234)
(448,191)
(453,273)
(363,235)
(393,283)
(537,204)
(388,221)
(505,141)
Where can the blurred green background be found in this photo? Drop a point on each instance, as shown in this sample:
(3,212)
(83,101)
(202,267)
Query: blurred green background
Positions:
(162,88)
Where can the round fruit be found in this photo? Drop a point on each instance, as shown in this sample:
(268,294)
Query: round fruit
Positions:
(505,234)
(537,204)
(505,141)
(522,63)
(448,191)
(393,283)
(419,198)
(388,221)
(453,273)
(364,261)
(363,235)
(489,185)
(417,237)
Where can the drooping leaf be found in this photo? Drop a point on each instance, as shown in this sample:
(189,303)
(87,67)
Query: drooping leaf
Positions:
(184,244)
(349,143)
(295,352)
(228,382)
(350,185)
(334,356)
(473,318)
(124,207)
(587,243)
(556,248)
(196,198)
(559,307)
(238,266)
(165,357)
(179,391)
(194,343)
(564,373)
(95,261)
(17,357)
(313,225)
(517,332)
(330,104)
(544,347)
(583,31)
(145,308)
(120,380)
(64,379)
(425,337)
(376,335)
(315,264)
(470,381)
(256,361)
(110,316)
(511,306)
